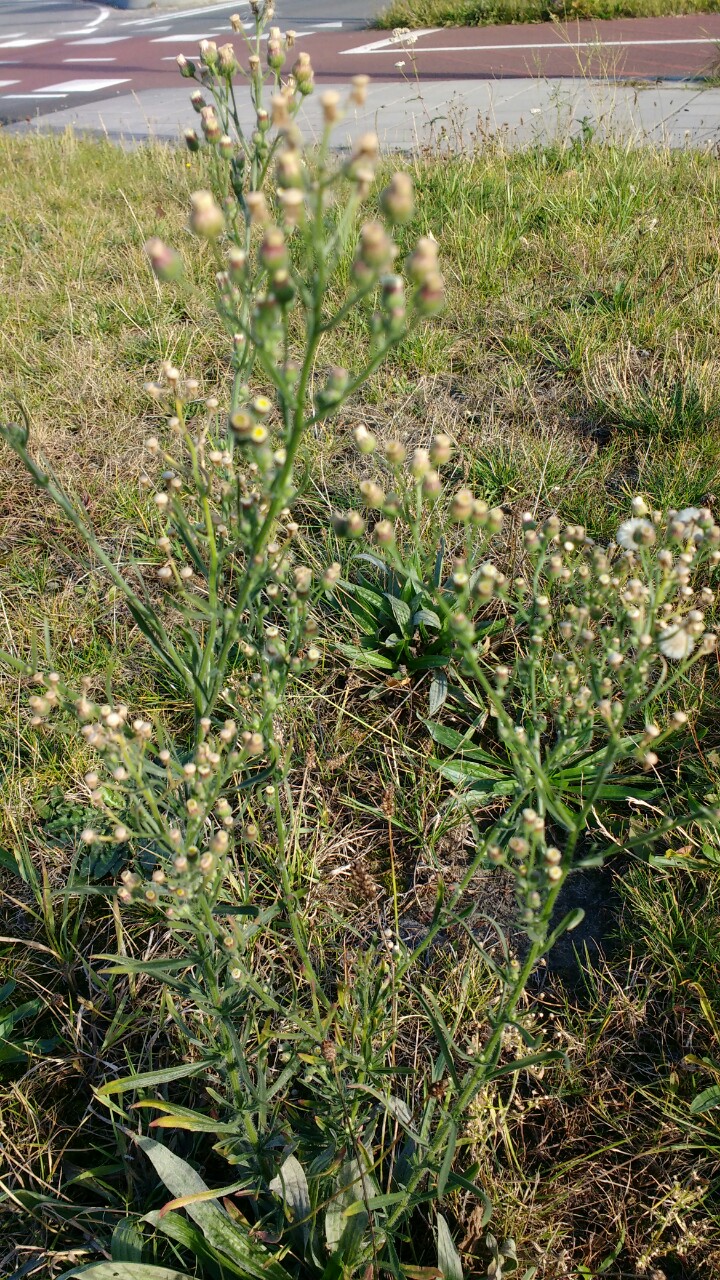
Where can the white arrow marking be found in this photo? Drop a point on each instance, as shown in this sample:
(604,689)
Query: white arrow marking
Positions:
(384,46)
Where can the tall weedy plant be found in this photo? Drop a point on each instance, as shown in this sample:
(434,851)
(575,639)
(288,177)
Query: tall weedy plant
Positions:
(340,1150)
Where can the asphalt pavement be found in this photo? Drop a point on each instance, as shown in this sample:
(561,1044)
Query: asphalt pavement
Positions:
(104,70)
(56,54)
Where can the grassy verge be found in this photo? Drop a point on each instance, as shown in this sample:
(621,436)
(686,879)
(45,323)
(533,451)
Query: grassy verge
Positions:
(481,13)
(576,364)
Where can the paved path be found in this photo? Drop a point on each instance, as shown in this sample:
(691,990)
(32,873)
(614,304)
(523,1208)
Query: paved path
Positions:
(55,55)
(636,48)
(516,111)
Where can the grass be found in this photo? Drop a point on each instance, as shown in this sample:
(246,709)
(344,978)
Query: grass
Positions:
(481,13)
(577,362)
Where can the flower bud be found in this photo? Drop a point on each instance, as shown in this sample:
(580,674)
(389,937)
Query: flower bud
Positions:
(226,147)
(226,60)
(273,250)
(289,170)
(275,54)
(303,73)
(461,507)
(358,93)
(420,463)
(187,68)
(395,452)
(384,533)
(293,205)
(430,297)
(330,102)
(206,217)
(331,576)
(440,450)
(257,207)
(372,495)
(210,124)
(397,201)
(165,262)
(208,53)
(364,440)
(431,485)
(375,248)
(351,525)
(423,262)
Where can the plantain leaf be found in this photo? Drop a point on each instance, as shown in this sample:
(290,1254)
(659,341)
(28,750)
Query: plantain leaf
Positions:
(218,1229)
(449,1262)
(291,1185)
(401,612)
(127,1242)
(708,1100)
(438,692)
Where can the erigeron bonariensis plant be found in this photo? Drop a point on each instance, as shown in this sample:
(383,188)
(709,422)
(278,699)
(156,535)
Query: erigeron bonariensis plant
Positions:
(338,1148)
(572,666)
(223,481)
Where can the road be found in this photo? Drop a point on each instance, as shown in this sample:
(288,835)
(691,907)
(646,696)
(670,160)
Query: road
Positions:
(56,55)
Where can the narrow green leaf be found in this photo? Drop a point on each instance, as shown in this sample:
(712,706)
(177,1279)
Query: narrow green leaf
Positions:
(125,1271)
(447,1160)
(148,1079)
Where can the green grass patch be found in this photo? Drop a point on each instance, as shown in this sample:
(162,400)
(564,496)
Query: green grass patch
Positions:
(482,13)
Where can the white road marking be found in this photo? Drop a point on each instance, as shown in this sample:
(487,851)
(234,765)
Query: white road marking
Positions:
(34,96)
(21,44)
(103,15)
(5,83)
(389,45)
(547,44)
(75,44)
(81,86)
(185,13)
(92,61)
(195,39)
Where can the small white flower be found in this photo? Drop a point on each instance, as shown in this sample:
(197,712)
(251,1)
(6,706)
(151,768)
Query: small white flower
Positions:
(688,514)
(630,534)
(677,643)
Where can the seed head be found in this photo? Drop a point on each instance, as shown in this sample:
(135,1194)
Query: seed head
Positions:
(328,1049)
(362,882)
